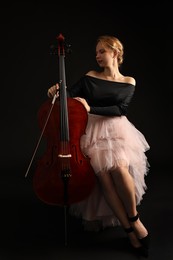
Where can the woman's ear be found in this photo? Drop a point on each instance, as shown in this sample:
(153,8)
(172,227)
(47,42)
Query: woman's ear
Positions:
(115,53)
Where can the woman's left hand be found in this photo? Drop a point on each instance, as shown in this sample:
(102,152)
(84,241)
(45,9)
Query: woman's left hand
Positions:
(83,101)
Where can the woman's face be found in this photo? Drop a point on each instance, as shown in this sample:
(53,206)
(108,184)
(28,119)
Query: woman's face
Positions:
(104,55)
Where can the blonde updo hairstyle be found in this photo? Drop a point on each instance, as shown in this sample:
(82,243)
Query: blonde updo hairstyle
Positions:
(113,43)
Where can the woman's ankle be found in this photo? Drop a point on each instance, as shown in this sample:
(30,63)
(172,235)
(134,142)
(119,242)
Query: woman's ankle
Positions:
(139,229)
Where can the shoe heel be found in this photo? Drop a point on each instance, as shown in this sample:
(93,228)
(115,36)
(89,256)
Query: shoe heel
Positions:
(145,241)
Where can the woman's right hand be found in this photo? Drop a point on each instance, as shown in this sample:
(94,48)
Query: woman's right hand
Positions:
(53,90)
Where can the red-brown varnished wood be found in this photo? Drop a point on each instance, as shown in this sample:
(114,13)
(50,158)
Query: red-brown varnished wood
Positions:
(49,182)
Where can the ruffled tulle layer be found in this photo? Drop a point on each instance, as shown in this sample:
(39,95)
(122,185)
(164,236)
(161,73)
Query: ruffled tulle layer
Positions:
(112,142)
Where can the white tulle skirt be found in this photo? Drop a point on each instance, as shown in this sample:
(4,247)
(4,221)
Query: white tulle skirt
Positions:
(111,142)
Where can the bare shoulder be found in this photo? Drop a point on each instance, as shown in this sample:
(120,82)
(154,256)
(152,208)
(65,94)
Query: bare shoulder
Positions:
(92,73)
(130,80)
(125,79)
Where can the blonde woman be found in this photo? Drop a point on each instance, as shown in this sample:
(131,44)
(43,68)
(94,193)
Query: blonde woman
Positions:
(116,148)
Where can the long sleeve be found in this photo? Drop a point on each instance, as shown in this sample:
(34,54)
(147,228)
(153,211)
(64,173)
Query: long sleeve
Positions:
(115,110)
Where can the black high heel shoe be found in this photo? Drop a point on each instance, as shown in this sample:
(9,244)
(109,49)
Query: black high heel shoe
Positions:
(141,250)
(145,241)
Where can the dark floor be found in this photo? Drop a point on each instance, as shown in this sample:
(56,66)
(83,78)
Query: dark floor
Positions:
(31,229)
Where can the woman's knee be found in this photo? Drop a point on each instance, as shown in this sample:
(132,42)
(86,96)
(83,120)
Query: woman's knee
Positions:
(120,172)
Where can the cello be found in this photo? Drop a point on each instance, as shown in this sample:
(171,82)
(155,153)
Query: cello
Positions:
(63,175)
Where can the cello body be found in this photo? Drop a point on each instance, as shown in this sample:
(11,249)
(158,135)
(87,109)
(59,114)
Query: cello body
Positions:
(63,175)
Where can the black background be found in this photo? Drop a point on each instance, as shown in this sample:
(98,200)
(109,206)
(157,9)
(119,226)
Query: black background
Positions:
(28,29)
(28,69)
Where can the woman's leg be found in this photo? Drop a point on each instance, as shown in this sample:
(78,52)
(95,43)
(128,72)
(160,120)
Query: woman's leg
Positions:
(125,188)
(116,205)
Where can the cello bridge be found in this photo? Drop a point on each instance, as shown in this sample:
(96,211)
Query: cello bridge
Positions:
(64,155)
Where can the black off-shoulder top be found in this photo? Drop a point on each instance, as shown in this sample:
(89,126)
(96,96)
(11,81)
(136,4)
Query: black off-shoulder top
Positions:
(104,97)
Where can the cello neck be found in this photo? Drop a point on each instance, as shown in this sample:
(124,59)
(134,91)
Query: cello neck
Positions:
(64,126)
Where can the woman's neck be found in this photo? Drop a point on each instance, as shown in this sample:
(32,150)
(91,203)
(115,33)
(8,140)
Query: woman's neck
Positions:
(112,74)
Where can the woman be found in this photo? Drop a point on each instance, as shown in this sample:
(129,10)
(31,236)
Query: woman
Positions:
(116,148)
